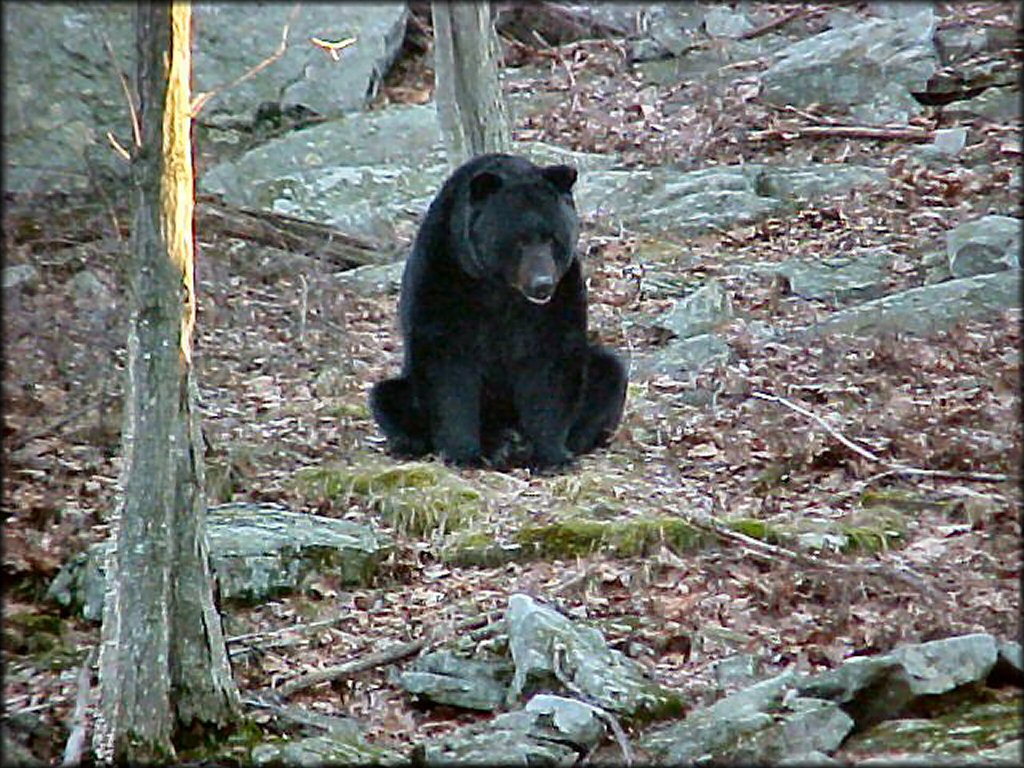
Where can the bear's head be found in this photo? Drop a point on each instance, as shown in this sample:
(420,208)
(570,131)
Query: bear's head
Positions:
(522,228)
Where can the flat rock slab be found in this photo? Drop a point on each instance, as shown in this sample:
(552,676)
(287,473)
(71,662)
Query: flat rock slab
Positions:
(870,68)
(928,309)
(686,203)
(256,550)
(62,92)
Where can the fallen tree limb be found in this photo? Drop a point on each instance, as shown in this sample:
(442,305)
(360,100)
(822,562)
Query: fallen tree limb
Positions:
(892,467)
(774,553)
(776,23)
(397,652)
(842,132)
(75,746)
(290,233)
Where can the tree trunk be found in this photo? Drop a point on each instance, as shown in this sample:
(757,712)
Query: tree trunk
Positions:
(163,663)
(472,112)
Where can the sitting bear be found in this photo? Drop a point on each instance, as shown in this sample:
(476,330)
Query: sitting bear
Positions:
(493,311)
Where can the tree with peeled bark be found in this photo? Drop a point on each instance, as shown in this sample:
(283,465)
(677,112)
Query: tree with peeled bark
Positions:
(472,112)
(163,663)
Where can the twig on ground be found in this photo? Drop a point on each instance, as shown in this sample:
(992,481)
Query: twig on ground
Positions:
(773,552)
(382,658)
(76,741)
(864,452)
(842,132)
(202,99)
(892,467)
(602,714)
(250,637)
(775,23)
(24,440)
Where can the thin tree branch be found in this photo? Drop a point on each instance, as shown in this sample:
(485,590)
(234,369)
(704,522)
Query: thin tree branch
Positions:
(76,741)
(133,111)
(774,553)
(842,132)
(389,655)
(771,26)
(202,99)
(893,467)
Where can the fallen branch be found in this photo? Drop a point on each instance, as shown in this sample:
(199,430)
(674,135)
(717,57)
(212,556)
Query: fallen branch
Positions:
(51,428)
(382,658)
(842,132)
(602,714)
(76,741)
(774,553)
(289,233)
(892,467)
(775,23)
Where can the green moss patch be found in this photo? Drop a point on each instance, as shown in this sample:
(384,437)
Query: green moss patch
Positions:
(417,498)
(574,537)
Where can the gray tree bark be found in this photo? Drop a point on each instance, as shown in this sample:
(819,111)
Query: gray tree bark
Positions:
(472,112)
(163,662)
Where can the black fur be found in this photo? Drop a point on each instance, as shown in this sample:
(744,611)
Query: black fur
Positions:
(497,366)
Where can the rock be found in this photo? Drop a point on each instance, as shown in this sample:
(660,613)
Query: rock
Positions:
(988,244)
(684,358)
(542,641)
(232,38)
(373,279)
(697,313)
(927,309)
(444,678)
(322,750)
(997,104)
(858,277)
(256,550)
(877,688)
(871,68)
(974,732)
(20,276)
(942,665)
(550,730)
(353,174)
(949,141)
(669,29)
(1009,667)
(89,292)
(721,21)
(686,203)
(62,99)
(760,724)
(740,668)
(346,173)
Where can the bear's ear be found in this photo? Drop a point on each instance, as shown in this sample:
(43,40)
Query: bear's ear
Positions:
(562,176)
(483,184)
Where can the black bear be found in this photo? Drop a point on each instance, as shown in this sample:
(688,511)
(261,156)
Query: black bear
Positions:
(493,311)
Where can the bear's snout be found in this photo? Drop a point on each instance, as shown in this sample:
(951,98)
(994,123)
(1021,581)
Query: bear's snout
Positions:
(537,274)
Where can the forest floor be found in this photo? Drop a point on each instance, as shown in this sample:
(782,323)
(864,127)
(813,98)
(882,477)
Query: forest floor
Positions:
(285,362)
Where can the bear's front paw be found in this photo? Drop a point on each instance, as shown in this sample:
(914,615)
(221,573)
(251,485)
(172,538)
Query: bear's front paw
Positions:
(552,457)
(462,456)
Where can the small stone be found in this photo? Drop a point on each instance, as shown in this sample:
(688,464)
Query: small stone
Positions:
(949,141)
(20,275)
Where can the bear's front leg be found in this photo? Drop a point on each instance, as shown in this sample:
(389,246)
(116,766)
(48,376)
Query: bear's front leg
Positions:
(453,397)
(546,398)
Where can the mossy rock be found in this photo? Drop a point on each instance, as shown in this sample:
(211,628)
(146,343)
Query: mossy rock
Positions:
(417,498)
(973,720)
(576,537)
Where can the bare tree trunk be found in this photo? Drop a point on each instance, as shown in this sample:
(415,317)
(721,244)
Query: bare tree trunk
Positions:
(473,116)
(163,663)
